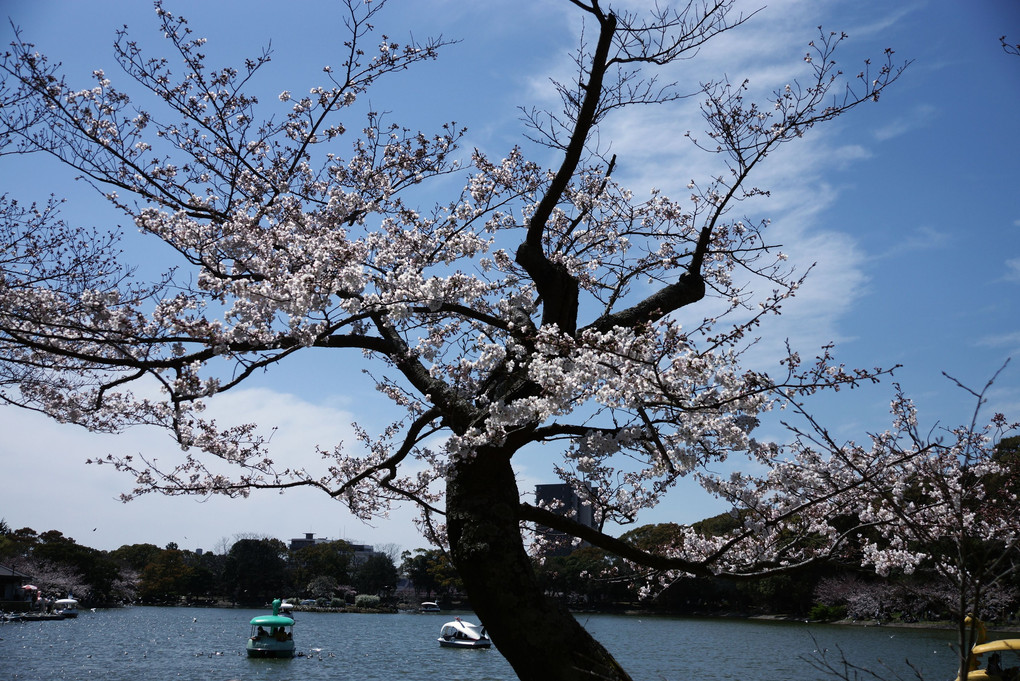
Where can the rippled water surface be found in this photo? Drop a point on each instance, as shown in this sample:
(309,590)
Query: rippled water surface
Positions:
(152,644)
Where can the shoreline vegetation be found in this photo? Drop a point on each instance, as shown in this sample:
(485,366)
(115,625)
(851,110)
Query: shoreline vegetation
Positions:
(331,577)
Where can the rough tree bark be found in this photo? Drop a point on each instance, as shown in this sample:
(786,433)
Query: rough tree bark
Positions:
(538,636)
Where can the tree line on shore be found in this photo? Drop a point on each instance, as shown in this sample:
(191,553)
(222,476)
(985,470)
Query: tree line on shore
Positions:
(591,578)
(253,570)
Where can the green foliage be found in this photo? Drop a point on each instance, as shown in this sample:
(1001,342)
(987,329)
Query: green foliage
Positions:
(588,576)
(166,579)
(256,570)
(171,575)
(431,572)
(717,525)
(95,567)
(652,537)
(1006,453)
(328,559)
(136,556)
(1008,448)
(366,601)
(376,574)
(322,586)
(15,543)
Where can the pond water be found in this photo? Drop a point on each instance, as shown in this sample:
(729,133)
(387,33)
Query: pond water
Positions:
(153,644)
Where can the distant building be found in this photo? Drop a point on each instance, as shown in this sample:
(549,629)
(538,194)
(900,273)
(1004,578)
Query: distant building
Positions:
(308,540)
(562,499)
(361,551)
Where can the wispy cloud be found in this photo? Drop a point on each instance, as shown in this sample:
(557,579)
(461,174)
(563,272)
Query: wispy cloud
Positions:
(923,238)
(1013,270)
(883,23)
(1000,340)
(1005,345)
(918,117)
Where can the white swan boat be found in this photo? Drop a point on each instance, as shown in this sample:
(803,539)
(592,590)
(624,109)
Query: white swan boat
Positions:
(461,634)
(66,607)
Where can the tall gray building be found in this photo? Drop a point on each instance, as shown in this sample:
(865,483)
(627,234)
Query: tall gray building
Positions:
(565,501)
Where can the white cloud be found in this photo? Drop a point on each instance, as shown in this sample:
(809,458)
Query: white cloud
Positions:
(1013,269)
(1004,340)
(850,153)
(59,491)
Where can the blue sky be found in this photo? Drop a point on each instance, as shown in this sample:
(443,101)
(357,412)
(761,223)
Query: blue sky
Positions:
(909,210)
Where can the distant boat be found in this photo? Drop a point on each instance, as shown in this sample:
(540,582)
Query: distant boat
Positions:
(271,635)
(461,634)
(66,607)
(429,606)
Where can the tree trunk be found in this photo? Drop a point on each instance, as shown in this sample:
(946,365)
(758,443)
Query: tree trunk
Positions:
(538,636)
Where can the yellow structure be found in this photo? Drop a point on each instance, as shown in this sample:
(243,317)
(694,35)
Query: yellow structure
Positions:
(995,661)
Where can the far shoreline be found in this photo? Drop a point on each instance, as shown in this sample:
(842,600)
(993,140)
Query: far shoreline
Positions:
(936,625)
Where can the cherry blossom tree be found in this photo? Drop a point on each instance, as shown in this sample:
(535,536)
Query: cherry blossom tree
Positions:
(958,511)
(537,306)
(946,499)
